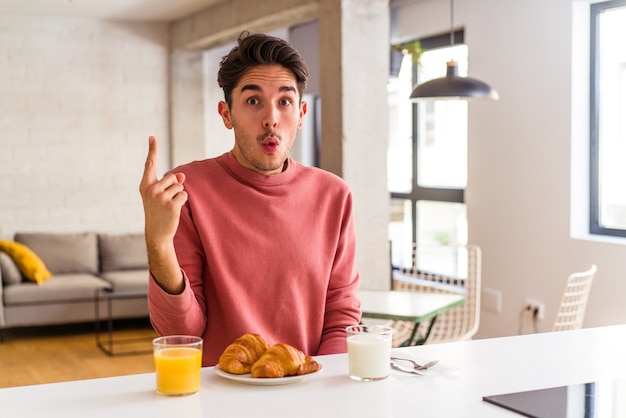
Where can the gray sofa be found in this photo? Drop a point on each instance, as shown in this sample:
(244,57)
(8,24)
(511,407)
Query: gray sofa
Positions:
(80,263)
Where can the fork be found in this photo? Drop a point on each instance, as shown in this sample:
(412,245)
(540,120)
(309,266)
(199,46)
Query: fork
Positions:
(402,369)
(416,365)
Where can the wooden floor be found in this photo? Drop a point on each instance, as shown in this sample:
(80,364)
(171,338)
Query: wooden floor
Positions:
(31,356)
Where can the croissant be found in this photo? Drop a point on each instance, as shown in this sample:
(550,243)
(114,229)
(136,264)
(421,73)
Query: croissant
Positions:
(239,356)
(282,360)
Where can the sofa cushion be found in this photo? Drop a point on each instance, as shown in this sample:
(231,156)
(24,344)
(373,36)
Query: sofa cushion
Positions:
(64,252)
(135,281)
(62,287)
(31,266)
(10,272)
(122,252)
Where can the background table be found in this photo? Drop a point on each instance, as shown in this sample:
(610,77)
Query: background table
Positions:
(415,307)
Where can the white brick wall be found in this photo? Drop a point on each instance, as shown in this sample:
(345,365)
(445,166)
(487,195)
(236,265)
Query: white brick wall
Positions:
(78,100)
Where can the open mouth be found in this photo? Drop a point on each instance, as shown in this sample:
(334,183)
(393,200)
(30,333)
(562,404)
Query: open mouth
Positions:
(270,144)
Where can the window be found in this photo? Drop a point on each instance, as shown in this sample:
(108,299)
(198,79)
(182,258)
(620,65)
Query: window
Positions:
(427,155)
(607,121)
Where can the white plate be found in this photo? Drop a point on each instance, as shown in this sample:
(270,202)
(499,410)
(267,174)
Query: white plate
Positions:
(263,381)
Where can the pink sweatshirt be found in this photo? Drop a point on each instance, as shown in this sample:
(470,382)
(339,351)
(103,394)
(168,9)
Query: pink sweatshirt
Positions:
(272,255)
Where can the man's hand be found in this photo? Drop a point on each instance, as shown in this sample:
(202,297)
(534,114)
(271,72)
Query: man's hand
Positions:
(162,203)
(162,199)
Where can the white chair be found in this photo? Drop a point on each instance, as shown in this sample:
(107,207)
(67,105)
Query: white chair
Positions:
(571,312)
(443,269)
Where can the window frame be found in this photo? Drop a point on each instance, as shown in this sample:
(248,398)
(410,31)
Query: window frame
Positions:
(419,193)
(595,226)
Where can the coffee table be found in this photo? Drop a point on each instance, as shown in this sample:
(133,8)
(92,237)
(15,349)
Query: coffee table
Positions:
(108,345)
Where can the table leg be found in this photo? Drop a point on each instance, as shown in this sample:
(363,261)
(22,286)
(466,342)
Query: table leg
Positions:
(409,341)
(430,328)
(110,326)
(417,339)
(109,348)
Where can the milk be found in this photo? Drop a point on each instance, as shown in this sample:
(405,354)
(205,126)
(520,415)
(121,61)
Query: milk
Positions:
(369,355)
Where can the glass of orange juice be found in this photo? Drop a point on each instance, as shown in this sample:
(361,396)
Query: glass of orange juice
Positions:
(177,361)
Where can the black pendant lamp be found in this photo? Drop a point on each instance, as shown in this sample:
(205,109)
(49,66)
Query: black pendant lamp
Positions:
(452,86)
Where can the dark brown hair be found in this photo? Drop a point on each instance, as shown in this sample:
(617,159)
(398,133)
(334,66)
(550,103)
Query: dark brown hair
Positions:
(253,50)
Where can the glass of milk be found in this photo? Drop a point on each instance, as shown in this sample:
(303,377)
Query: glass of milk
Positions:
(369,352)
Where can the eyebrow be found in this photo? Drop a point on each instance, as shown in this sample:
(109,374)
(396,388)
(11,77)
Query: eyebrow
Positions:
(255,87)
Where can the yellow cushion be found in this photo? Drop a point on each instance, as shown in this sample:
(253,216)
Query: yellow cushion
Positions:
(28,262)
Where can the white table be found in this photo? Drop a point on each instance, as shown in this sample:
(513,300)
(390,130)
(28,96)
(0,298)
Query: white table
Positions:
(408,306)
(454,388)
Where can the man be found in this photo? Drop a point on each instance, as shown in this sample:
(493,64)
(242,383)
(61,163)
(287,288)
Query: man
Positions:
(252,241)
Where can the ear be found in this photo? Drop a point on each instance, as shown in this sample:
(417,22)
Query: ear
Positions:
(224,110)
(303,108)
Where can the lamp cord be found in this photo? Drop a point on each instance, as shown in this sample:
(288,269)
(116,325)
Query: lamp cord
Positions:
(451,22)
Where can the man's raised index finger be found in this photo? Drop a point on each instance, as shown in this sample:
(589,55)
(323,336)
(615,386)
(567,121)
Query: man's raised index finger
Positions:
(149,172)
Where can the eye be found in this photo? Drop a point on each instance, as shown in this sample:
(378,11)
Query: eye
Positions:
(253,101)
(285,102)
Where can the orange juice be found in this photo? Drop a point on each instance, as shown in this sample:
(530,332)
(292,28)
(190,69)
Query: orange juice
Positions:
(177,370)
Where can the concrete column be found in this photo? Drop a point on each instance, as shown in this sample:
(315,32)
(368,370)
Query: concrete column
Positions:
(354,53)
(187,107)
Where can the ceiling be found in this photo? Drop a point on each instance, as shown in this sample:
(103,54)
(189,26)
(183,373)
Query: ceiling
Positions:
(148,10)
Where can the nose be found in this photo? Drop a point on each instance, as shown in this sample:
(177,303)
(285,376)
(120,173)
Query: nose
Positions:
(270,119)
